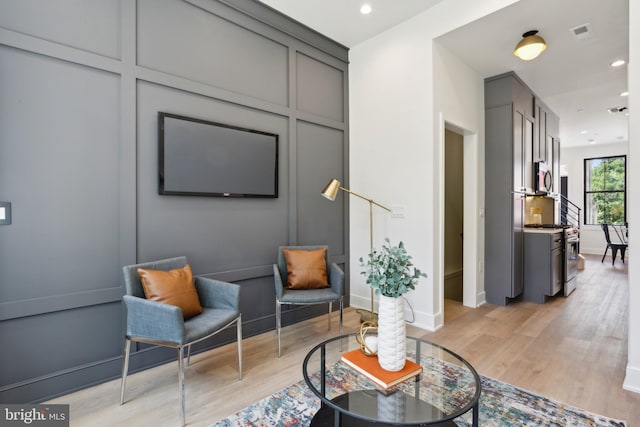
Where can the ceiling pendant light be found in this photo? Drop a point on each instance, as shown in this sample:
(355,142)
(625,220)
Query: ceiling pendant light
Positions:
(530,46)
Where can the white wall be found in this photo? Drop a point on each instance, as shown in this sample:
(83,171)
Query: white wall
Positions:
(591,236)
(632,379)
(393,128)
(395,154)
(459,103)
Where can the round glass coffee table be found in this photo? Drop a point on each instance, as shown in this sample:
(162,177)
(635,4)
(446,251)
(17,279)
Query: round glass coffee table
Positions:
(448,387)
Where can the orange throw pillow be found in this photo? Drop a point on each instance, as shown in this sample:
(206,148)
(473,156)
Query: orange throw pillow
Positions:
(173,287)
(307,268)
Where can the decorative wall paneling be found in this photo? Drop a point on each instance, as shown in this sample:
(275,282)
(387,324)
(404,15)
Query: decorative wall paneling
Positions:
(81,86)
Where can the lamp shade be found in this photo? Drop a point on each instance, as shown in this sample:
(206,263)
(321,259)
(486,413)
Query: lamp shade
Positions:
(331,190)
(530,46)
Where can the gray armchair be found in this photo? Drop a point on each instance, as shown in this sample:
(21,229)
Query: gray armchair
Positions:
(163,324)
(306,296)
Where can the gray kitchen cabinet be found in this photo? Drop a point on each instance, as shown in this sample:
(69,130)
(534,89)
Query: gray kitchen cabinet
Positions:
(540,137)
(553,141)
(509,133)
(547,132)
(553,125)
(519,130)
(543,264)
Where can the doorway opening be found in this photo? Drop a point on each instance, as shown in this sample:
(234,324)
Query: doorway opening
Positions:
(460,223)
(453,290)
(453,215)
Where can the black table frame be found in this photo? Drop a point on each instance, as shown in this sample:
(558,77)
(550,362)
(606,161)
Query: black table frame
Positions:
(330,409)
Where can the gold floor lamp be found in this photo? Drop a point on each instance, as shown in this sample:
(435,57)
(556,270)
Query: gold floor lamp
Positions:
(330,192)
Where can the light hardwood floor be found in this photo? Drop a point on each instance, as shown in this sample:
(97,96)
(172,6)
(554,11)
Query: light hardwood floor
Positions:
(569,349)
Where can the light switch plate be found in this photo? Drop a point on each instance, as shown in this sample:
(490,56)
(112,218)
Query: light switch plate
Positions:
(5,213)
(397,212)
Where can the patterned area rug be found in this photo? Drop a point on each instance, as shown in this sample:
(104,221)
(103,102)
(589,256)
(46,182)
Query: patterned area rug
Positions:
(501,404)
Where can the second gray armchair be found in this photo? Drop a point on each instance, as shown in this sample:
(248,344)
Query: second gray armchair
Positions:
(286,294)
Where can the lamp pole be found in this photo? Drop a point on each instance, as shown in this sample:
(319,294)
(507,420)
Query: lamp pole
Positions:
(331,196)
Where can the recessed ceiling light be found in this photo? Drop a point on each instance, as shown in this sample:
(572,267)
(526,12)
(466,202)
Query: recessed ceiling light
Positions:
(365,9)
(584,132)
(618,63)
(580,110)
(625,93)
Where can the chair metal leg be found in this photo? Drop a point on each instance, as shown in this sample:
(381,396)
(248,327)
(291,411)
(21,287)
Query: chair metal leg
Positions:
(330,310)
(614,254)
(239,326)
(125,367)
(188,355)
(605,253)
(341,307)
(278,325)
(181,382)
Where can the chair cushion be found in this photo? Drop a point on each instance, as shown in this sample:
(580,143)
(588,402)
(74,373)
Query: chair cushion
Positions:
(307,269)
(304,296)
(210,321)
(174,287)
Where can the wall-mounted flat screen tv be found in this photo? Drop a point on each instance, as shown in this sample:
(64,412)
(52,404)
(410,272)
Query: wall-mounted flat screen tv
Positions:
(202,158)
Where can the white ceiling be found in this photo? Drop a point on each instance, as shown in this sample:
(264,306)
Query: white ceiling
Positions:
(573,77)
(341,20)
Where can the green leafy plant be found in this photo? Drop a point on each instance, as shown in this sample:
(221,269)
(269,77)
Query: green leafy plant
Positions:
(390,271)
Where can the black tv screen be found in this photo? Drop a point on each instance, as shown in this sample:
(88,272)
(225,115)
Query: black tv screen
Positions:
(202,158)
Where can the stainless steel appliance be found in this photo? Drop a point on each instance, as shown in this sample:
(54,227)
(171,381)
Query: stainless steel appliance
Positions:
(571,254)
(543,180)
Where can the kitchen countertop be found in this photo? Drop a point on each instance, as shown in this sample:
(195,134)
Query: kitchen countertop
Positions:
(543,230)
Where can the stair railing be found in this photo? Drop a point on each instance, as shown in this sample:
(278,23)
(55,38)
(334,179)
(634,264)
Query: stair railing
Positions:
(570,213)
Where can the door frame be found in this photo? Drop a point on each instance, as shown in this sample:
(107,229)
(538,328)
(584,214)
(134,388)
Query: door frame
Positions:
(473,229)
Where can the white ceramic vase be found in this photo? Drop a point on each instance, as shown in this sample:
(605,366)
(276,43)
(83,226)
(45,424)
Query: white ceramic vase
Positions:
(392,335)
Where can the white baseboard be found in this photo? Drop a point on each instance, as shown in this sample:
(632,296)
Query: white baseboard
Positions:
(453,274)
(422,320)
(429,322)
(481,299)
(632,379)
(357,301)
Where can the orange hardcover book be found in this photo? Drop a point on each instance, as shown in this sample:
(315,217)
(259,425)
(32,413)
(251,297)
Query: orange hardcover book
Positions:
(369,367)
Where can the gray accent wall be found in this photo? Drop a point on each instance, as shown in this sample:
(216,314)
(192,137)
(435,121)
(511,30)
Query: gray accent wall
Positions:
(81,84)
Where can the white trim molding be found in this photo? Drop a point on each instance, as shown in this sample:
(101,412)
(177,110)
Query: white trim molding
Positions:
(632,379)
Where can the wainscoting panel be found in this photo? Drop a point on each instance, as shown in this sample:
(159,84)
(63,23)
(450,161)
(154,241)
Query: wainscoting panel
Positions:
(29,340)
(319,88)
(215,233)
(81,85)
(93,25)
(252,64)
(57,160)
(320,220)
